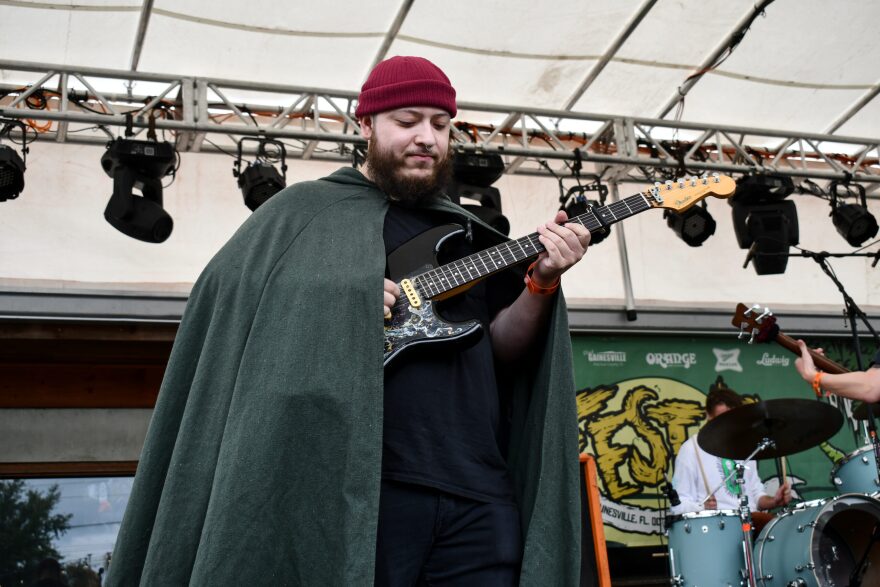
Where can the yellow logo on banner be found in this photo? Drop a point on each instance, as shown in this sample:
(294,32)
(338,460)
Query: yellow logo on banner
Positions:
(635,428)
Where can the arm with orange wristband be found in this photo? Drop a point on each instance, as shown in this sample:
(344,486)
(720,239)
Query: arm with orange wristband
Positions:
(858,385)
(519,325)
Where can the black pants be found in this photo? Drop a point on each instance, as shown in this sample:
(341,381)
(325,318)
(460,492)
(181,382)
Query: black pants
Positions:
(430,537)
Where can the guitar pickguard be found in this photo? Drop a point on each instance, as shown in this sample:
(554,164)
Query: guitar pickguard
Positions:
(411,326)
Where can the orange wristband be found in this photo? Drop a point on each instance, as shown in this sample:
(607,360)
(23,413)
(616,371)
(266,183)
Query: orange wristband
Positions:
(817,384)
(537,289)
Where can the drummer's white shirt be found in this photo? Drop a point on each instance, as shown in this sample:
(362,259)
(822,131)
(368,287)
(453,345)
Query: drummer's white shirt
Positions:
(688,481)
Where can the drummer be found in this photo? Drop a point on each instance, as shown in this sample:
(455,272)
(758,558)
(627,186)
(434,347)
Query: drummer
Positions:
(697,472)
(859,385)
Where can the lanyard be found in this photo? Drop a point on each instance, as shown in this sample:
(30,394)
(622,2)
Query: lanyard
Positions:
(727,466)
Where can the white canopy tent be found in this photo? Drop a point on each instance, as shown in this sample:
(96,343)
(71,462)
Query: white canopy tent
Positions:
(801,67)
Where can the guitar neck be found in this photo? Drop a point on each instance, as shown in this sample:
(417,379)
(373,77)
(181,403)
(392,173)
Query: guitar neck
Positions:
(467,270)
(822,362)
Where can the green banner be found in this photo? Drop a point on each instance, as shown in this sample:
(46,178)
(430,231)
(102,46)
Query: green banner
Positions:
(640,398)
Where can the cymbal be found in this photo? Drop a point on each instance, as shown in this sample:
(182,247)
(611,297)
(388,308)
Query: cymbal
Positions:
(860,410)
(793,424)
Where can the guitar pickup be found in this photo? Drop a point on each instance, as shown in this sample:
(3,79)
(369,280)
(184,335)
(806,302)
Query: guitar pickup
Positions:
(409,290)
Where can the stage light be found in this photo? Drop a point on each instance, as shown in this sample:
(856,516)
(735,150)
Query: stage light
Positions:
(852,221)
(11,174)
(693,226)
(477,169)
(764,222)
(472,177)
(261,180)
(12,165)
(762,188)
(578,204)
(489,208)
(139,165)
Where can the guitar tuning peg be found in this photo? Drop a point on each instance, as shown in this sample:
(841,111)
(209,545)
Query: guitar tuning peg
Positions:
(752,337)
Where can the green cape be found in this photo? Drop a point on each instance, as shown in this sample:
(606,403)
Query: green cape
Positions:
(262,462)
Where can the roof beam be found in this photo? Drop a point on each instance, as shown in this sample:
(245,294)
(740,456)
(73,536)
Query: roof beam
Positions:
(609,53)
(854,109)
(325,116)
(146,12)
(392,33)
(686,87)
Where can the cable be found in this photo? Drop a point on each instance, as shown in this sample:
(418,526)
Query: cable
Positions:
(219,148)
(734,42)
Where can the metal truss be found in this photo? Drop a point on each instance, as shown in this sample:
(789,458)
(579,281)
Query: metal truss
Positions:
(83,105)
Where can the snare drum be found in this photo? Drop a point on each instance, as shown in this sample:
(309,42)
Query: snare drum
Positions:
(819,543)
(706,549)
(856,472)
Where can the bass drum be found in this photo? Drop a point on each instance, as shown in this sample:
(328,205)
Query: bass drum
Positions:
(706,549)
(856,472)
(820,543)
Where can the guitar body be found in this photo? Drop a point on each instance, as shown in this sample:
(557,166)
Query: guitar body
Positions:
(410,327)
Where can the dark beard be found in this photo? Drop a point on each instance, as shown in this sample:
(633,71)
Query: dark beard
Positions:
(410,192)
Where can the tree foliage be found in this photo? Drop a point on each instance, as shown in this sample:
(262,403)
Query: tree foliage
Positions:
(27,528)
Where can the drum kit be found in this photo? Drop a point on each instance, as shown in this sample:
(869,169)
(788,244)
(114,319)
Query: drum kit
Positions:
(832,542)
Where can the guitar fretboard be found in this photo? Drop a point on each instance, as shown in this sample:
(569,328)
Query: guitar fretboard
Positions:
(453,275)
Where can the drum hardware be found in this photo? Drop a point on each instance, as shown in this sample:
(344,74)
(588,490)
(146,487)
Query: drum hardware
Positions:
(824,542)
(697,536)
(856,472)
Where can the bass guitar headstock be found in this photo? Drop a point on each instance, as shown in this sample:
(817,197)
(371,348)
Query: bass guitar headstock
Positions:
(756,323)
(681,194)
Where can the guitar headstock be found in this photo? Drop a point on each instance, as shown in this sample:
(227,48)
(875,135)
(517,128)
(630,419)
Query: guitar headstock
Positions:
(759,325)
(681,194)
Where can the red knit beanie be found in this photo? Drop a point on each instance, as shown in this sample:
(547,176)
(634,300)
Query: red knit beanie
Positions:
(405,81)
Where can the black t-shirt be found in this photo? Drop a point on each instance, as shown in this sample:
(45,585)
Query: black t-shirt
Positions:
(443,424)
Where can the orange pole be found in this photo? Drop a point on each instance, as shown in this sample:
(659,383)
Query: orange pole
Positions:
(595,515)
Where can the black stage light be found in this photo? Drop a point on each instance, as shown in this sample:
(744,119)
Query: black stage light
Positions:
(472,177)
(852,221)
(764,222)
(11,173)
(762,188)
(579,204)
(693,226)
(575,202)
(139,165)
(477,169)
(260,180)
(12,165)
(489,208)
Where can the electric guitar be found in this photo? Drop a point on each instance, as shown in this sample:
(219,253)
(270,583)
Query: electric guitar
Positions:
(760,326)
(422,282)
